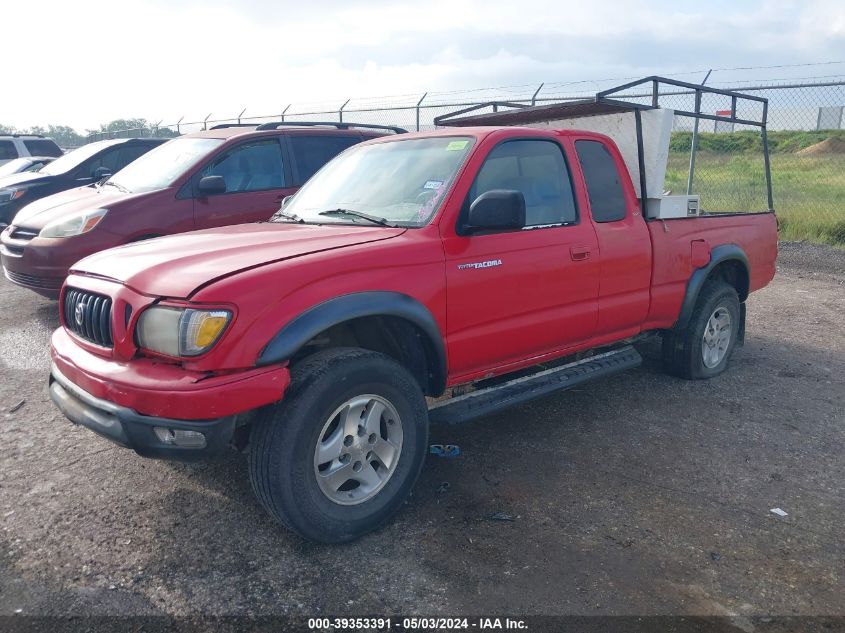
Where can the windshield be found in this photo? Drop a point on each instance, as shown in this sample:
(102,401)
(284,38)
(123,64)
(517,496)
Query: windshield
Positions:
(73,159)
(159,167)
(14,166)
(398,182)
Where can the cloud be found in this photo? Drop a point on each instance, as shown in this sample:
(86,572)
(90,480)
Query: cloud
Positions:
(166,59)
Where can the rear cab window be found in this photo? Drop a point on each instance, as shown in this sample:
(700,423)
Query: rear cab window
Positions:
(310,153)
(42,147)
(604,186)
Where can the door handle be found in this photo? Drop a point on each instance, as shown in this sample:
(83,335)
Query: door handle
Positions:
(579,253)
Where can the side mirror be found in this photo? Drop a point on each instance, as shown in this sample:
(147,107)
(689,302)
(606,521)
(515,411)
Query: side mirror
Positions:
(497,209)
(286,200)
(210,185)
(100,173)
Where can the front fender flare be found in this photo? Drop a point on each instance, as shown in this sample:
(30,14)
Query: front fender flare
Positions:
(296,333)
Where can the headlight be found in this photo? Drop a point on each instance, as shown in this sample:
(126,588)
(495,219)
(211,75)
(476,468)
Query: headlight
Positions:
(181,332)
(7,195)
(74,225)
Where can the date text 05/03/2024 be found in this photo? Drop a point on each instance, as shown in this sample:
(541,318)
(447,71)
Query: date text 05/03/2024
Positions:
(417,623)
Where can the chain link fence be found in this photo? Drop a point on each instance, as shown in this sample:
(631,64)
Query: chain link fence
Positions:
(805,133)
(807,155)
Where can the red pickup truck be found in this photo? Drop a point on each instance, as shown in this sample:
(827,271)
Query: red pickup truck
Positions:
(409,269)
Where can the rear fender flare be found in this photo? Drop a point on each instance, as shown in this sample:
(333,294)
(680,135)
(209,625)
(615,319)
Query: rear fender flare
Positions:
(720,254)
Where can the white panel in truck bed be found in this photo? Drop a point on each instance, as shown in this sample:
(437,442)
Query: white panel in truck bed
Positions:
(657,130)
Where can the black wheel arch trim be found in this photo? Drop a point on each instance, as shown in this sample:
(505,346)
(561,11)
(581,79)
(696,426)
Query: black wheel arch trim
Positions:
(720,254)
(296,333)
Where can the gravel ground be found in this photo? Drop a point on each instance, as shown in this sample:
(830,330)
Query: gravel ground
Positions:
(638,494)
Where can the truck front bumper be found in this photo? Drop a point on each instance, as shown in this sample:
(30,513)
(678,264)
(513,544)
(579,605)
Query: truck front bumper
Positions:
(149,436)
(157,409)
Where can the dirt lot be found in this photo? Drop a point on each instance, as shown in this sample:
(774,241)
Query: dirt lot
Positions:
(638,494)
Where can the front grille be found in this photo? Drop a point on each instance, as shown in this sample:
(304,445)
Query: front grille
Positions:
(88,315)
(31,281)
(22,234)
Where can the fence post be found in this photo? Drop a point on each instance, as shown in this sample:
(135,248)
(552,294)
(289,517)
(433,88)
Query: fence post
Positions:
(694,143)
(340,112)
(766,164)
(536,92)
(283,112)
(418,110)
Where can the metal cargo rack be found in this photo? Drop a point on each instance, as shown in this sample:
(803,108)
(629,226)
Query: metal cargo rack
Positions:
(610,101)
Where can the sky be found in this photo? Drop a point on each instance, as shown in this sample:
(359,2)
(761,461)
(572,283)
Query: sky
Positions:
(87,62)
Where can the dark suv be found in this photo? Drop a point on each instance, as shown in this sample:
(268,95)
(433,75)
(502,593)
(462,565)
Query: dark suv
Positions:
(82,166)
(230,174)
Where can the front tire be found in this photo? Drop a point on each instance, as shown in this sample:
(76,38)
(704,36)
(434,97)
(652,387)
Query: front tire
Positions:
(704,348)
(338,456)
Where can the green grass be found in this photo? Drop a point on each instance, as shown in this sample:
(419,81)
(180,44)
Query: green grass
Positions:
(809,190)
(751,141)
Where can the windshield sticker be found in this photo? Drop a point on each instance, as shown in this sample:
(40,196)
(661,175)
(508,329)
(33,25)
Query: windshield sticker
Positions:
(433,184)
(454,146)
(430,205)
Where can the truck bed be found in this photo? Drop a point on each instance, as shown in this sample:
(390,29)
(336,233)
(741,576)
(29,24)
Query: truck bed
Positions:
(681,246)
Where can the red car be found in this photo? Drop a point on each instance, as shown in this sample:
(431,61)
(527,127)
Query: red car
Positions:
(230,174)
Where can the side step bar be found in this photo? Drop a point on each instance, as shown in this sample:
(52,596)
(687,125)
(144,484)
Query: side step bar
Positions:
(486,401)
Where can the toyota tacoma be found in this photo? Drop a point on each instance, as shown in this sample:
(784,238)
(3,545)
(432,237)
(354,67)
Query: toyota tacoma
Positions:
(437,275)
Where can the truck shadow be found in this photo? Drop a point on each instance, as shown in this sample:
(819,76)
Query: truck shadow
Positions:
(631,395)
(46,312)
(225,475)
(623,473)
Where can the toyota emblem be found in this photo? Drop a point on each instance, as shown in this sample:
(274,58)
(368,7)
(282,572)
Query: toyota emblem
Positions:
(79,313)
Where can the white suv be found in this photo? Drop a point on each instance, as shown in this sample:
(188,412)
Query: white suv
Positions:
(16,145)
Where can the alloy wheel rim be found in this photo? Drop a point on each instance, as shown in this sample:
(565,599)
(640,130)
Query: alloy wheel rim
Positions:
(358,449)
(716,338)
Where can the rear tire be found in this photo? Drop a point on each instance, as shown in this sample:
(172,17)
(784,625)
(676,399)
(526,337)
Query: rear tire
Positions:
(704,348)
(338,456)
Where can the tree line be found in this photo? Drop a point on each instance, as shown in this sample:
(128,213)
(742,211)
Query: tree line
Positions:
(66,136)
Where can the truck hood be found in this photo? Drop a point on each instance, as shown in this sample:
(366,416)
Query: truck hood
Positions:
(177,265)
(63,204)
